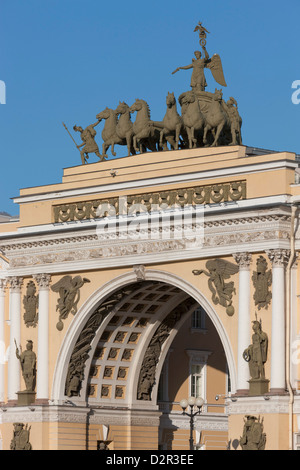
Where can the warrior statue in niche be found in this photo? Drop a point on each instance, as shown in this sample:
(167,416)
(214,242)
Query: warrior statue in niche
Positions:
(28,365)
(256,353)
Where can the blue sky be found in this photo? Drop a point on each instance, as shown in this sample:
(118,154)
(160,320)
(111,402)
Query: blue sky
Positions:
(66,60)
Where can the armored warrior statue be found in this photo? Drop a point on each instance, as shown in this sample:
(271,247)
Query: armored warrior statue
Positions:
(88,138)
(256,353)
(28,365)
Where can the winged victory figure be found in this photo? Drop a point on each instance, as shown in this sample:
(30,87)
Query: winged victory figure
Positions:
(214,63)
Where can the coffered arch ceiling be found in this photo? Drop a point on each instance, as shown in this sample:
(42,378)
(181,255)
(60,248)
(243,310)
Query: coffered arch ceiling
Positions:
(117,357)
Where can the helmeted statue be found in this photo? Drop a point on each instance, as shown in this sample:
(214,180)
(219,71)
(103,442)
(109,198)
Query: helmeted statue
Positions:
(28,365)
(88,138)
(256,353)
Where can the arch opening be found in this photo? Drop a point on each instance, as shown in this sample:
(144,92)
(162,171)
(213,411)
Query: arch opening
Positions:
(118,354)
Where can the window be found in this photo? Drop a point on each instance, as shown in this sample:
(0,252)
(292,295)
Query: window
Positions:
(198,319)
(197,369)
(228,381)
(197,382)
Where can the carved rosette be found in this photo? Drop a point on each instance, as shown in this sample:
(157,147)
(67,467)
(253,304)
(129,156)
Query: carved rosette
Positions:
(243,259)
(279,258)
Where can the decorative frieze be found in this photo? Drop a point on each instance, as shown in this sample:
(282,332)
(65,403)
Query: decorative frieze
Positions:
(207,194)
(230,233)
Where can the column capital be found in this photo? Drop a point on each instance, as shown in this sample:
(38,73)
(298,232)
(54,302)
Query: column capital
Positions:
(3,284)
(43,280)
(243,259)
(16,283)
(279,257)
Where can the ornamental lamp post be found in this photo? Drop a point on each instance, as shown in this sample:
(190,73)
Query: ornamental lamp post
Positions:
(194,404)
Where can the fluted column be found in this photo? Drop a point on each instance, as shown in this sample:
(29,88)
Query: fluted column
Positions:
(42,390)
(244,320)
(279,259)
(15,335)
(3,283)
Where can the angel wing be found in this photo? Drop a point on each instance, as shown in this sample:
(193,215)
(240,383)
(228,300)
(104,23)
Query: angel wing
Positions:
(215,65)
(65,283)
(222,267)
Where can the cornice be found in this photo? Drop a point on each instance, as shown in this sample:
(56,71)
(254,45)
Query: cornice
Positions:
(219,236)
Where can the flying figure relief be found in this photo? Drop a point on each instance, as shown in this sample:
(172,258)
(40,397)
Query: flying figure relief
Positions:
(218,270)
(69,295)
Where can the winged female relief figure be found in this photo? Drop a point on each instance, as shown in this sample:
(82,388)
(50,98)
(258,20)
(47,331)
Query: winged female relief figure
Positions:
(217,271)
(69,295)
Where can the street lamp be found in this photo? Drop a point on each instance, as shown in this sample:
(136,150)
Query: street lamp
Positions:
(193,403)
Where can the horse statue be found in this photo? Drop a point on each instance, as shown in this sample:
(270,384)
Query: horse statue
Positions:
(124,128)
(145,133)
(171,125)
(216,118)
(193,119)
(109,135)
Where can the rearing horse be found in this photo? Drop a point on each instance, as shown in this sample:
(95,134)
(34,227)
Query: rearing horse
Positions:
(124,128)
(215,119)
(172,123)
(193,119)
(109,134)
(145,134)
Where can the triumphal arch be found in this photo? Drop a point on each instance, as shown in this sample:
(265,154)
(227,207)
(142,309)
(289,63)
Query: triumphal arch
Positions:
(169,273)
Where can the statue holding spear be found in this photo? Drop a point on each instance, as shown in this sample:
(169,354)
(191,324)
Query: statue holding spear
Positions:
(88,138)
